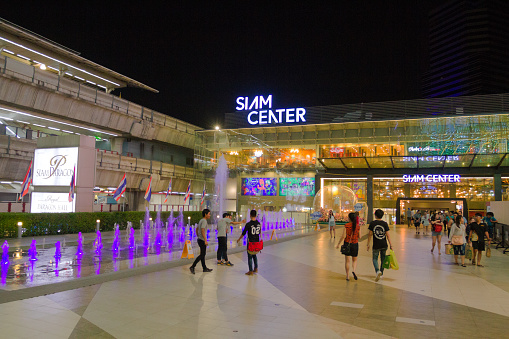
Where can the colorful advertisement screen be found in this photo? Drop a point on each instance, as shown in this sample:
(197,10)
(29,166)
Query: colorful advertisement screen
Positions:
(259,186)
(296,186)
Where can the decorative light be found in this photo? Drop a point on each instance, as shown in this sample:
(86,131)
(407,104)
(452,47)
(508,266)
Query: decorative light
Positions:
(217,128)
(42,66)
(258,153)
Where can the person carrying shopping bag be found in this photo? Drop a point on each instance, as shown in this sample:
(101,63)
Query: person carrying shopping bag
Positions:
(379,231)
(457,239)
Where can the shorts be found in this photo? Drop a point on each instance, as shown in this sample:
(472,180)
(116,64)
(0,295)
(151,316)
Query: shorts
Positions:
(354,249)
(433,233)
(417,224)
(478,245)
(459,249)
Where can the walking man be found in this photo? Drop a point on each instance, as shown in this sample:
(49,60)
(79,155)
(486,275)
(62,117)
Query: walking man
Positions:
(379,230)
(409,217)
(223,227)
(202,241)
(478,230)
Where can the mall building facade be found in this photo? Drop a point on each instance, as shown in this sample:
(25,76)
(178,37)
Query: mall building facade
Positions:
(447,154)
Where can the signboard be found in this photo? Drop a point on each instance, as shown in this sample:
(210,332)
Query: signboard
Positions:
(337,150)
(51,203)
(449,178)
(259,186)
(316,215)
(262,113)
(54,166)
(358,207)
(296,186)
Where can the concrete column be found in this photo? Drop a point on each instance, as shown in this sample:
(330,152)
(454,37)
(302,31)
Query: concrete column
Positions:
(369,198)
(497,186)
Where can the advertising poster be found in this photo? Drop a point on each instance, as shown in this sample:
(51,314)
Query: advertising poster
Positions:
(259,186)
(296,186)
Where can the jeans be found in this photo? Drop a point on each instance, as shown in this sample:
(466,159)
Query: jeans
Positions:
(201,257)
(250,259)
(221,248)
(376,252)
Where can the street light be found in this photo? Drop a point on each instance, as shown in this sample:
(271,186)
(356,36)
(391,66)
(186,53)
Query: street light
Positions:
(189,221)
(217,128)
(98,225)
(20,229)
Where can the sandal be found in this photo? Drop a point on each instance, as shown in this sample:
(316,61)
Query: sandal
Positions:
(354,275)
(463,265)
(479,265)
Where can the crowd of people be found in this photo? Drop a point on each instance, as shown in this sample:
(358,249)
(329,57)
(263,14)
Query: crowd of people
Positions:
(450,224)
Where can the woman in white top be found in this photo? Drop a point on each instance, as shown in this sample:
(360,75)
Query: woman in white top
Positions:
(332,224)
(425,222)
(457,238)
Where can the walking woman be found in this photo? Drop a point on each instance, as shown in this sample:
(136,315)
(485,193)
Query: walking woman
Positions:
(332,224)
(425,222)
(436,232)
(457,238)
(351,235)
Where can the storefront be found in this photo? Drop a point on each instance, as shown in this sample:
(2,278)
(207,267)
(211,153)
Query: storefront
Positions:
(361,160)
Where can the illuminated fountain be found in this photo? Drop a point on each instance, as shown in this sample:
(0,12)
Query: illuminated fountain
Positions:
(220,184)
(116,240)
(58,251)
(98,243)
(79,250)
(146,229)
(5,253)
(132,242)
(158,241)
(32,252)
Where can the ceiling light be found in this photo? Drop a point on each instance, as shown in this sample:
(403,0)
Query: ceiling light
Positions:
(54,128)
(53,68)
(7,51)
(42,66)
(77,77)
(23,57)
(39,125)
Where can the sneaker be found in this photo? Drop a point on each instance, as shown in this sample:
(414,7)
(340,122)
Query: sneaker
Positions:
(378,276)
(256,270)
(228,263)
(191,269)
(250,273)
(220,262)
(207,270)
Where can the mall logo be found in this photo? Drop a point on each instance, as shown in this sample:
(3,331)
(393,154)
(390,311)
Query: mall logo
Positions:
(432,178)
(55,168)
(262,113)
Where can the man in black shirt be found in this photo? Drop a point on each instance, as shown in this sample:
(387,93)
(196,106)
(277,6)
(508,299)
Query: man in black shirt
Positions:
(478,230)
(379,230)
(253,230)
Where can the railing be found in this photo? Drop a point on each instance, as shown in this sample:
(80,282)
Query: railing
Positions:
(501,236)
(91,94)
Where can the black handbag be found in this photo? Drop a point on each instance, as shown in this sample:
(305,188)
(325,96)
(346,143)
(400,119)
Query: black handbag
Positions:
(345,248)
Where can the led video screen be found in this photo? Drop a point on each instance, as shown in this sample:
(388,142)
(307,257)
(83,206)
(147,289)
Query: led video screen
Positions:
(296,186)
(259,186)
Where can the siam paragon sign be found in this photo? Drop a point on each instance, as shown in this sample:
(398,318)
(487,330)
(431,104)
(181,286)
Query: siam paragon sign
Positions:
(263,114)
(54,166)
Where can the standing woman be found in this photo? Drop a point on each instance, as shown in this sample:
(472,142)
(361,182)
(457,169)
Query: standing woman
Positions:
(425,222)
(457,238)
(332,224)
(351,235)
(436,232)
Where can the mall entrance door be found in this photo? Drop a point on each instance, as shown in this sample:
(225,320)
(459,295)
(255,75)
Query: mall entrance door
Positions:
(429,204)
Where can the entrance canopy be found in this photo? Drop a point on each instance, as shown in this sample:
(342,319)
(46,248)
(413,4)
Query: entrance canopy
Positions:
(416,162)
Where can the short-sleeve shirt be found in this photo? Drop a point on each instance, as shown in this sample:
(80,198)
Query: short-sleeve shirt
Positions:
(379,229)
(489,221)
(408,213)
(352,239)
(222,227)
(480,230)
(332,221)
(253,230)
(202,225)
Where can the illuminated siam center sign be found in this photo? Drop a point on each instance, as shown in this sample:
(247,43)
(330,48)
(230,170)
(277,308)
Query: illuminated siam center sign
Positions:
(449,178)
(263,114)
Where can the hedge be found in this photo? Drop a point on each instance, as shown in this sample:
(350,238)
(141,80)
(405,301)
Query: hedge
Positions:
(36,224)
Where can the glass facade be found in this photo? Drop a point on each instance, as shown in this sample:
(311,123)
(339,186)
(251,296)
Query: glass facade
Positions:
(439,144)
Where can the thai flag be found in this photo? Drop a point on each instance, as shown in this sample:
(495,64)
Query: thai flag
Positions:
(26,182)
(168,192)
(120,189)
(148,192)
(188,192)
(73,184)
(203,195)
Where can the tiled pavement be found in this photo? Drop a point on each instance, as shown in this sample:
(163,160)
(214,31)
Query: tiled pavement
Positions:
(291,297)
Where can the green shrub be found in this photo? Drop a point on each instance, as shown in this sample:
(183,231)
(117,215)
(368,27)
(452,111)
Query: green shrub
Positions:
(36,224)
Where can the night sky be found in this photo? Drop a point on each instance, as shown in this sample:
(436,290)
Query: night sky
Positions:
(202,55)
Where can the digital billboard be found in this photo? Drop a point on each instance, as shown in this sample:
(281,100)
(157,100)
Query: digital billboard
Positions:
(259,186)
(296,186)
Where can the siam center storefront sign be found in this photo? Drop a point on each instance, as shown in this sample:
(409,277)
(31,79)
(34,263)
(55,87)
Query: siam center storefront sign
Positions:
(263,114)
(447,178)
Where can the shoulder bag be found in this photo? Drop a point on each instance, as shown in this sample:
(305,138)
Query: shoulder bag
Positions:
(345,248)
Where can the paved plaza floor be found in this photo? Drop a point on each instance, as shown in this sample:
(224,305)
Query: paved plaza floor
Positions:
(299,292)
